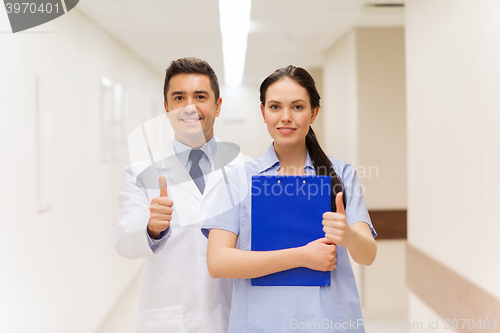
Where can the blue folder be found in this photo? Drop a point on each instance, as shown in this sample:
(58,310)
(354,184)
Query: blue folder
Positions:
(287,211)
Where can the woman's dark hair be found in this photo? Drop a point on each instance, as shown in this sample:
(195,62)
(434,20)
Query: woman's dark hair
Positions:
(191,66)
(320,161)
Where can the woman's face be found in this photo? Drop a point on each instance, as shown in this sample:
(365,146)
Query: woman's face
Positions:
(287,112)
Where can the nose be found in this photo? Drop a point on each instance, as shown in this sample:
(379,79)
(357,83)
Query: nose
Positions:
(190,108)
(286,116)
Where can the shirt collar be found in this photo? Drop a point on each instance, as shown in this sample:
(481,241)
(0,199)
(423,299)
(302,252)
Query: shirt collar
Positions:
(182,150)
(309,164)
(270,160)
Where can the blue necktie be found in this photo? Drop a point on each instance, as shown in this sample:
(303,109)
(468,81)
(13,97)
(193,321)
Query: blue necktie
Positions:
(195,172)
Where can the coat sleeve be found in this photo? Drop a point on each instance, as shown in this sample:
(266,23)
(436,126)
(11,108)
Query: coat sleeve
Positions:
(130,236)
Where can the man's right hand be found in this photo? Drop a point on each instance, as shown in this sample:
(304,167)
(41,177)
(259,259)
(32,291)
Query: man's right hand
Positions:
(160,211)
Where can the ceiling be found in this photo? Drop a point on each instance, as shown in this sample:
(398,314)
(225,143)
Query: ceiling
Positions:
(282,32)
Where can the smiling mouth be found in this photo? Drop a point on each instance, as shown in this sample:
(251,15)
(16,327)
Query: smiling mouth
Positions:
(286,129)
(190,120)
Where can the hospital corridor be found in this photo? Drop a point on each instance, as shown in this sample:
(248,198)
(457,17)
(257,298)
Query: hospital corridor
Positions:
(410,100)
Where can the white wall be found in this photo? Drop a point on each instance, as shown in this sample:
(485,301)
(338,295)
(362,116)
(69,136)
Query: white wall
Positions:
(241,120)
(340,100)
(365,112)
(453,80)
(382,116)
(58,269)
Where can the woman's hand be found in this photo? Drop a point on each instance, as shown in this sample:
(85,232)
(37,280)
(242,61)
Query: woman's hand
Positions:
(335,225)
(320,255)
(357,238)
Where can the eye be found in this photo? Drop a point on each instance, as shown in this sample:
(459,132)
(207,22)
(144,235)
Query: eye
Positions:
(201,97)
(178,98)
(274,107)
(298,107)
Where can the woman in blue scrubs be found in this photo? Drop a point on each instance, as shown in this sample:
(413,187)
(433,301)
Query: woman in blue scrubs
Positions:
(289,105)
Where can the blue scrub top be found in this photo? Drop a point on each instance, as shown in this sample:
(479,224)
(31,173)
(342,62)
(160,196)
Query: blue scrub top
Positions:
(333,308)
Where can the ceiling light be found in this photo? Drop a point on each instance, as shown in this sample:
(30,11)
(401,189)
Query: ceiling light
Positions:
(234,25)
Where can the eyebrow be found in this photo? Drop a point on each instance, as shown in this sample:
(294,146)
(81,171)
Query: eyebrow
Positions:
(272,101)
(178,92)
(296,101)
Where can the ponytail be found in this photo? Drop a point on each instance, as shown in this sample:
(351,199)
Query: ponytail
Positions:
(324,167)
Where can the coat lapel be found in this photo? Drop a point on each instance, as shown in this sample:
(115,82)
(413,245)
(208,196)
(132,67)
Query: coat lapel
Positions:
(225,158)
(192,206)
(177,176)
(168,164)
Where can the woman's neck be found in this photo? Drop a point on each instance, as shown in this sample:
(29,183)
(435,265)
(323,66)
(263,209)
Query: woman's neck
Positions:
(292,159)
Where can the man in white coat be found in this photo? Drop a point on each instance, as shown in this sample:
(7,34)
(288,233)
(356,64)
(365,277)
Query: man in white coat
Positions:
(160,217)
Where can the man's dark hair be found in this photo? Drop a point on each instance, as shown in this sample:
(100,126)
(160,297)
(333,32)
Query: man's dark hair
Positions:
(191,66)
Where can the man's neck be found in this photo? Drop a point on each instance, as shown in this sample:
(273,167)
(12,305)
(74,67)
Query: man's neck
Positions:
(195,143)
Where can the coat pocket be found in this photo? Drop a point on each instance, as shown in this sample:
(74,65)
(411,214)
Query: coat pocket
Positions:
(164,320)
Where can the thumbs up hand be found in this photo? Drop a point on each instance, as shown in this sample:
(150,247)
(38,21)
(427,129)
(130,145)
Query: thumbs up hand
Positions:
(160,211)
(335,225)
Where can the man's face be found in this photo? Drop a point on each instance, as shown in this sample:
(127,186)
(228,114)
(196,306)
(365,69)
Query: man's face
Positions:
(191,108)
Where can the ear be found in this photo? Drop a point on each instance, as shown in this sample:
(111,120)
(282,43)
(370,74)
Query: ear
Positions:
(262,111)
(219,104)
(166,107)
(314,114)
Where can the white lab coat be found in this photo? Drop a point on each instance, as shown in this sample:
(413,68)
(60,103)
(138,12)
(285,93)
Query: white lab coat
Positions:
(177,293)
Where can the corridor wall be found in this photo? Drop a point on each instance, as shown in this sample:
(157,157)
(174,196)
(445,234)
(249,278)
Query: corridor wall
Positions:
(58,269)
(453,80)
(364,107)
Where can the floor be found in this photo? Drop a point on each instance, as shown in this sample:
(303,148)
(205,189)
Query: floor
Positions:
(123,318)
(382,290)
